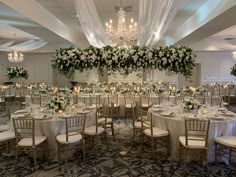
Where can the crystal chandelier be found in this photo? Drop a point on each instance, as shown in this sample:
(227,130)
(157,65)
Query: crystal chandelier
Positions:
(122,36)
(15,57)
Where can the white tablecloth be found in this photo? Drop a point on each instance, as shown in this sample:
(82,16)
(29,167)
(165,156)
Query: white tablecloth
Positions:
(176,127)
(121,100)
(53,127)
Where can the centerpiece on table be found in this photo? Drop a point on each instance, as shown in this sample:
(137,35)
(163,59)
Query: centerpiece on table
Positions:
(190,103)
(16,73)
(60,99)
(233,70)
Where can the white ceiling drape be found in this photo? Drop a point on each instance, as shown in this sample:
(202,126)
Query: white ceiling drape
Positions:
(90,23)
(154,18)
(7,44)
(25,46)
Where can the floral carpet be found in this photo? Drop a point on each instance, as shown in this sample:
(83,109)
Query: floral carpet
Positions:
(122,159)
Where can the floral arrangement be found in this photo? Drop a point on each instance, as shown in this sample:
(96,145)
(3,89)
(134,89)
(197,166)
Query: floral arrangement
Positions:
(233,70)
(201,90)
(189,103)
(17,72)
(60,99)
(173,60)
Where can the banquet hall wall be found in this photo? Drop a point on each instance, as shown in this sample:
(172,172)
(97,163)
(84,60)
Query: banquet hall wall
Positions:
(213,67)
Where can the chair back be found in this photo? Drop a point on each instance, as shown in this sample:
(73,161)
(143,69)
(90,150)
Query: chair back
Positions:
(113,98)
(36,99)
(24,127)
(216,101)
(144,100)
(197,130)
(75,124)
(129,99)
(95,100)
(155,99)
(200,98)
(164,98)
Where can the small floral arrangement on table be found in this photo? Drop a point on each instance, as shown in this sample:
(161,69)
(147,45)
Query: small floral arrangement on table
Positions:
(233,70)
(201,90)
(87,90)
(60,99)
(190,103)
(17,72)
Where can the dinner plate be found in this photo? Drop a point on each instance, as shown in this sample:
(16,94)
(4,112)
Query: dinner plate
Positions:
(222,109)
(157,109)
(167,114)
(156,106)
(230,114)
(22,114)
(217,118)
(84,111)
(42,117)
(21,111)
(90,107)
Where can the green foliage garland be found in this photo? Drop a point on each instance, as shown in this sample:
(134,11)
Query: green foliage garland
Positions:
(171,59)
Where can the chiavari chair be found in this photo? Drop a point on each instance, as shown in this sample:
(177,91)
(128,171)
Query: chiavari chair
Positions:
(36,98)
(139,120)
(195,140)
(225,146)
(113,98)
(74,130)
(157,135)
(105,118)
(96,131)
(145,101)
(25,137)
(129,101)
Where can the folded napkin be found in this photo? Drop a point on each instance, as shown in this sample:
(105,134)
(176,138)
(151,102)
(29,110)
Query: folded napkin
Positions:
(40,116)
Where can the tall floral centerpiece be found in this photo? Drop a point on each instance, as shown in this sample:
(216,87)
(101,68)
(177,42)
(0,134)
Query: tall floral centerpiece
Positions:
(16,73)
(233,70)
(60,99)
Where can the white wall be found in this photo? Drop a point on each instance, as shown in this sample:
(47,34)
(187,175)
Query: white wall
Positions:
(215,66)
(38,66)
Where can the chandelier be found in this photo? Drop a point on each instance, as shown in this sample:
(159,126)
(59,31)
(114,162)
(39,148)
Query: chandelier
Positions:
(15,57)
(122,36)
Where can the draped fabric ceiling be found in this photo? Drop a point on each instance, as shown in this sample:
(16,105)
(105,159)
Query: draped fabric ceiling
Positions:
(154,18)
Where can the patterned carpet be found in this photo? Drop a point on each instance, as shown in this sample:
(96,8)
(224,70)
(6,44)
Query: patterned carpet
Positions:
(136,163)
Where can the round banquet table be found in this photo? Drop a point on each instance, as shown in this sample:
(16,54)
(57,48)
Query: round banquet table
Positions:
(175,124)
(51,126)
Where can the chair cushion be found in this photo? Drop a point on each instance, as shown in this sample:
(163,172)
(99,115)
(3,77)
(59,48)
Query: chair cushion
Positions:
(128,105)
(4,128)
(115,105)
(138,124)
(195,144)
(145,105)
(72,138)
(157,132)
(92,130)
(102,120)
(229,141)
(29,141)
(7,135)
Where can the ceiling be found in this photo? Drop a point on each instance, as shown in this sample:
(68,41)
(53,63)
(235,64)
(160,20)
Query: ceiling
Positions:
(199,24)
